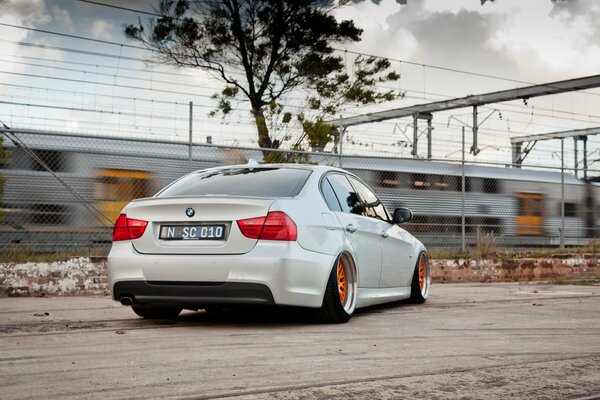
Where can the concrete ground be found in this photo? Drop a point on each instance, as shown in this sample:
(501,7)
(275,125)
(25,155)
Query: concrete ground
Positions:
(469,341)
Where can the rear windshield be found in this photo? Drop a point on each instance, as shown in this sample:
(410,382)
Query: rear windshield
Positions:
(255,182)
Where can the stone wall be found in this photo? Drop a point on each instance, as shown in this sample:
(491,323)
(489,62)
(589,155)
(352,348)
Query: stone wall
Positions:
(569,267)
(76,276)
(87,276)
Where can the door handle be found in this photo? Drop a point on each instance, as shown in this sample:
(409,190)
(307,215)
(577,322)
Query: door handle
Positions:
(385,234)
(350,228)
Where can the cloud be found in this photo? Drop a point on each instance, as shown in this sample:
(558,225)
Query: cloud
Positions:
(536,40)
(18,12)
(62,18)
(22,9)
(102,29)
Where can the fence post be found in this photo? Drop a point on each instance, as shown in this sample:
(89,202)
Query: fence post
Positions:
(462,169)
(341,139)
(190,155)
(562,193)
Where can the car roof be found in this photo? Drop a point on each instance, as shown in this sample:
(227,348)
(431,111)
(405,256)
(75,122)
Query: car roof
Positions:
(312,167)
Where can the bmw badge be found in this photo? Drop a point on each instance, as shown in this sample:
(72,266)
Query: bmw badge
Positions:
(190,212)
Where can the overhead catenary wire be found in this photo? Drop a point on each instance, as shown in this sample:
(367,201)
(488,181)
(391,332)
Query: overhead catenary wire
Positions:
(402,61)
(420,64)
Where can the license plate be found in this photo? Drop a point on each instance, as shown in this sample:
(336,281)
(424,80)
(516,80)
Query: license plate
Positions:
(192,232)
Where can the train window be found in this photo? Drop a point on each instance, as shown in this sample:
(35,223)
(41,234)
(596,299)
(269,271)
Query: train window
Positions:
(48,214)
(482,185)
(436,182)
(54,160)
(570,209)
(420,182)
(491,185)
(391,179)
(446,182)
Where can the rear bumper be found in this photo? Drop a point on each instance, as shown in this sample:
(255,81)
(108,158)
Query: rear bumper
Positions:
(281,273)
(194,294)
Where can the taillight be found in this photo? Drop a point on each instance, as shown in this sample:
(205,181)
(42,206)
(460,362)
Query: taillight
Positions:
(275,226)
(120,230)
(278,226)
(251,227)
(127,228)
(136,228)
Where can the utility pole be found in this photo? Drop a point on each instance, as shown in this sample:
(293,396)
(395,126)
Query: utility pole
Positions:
(190,146)
(463,230)
(562,193)
(341,127)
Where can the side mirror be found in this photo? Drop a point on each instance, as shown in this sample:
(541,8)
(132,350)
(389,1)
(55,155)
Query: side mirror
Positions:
(402,215)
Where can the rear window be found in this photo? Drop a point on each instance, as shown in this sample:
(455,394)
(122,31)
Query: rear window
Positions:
(255,182)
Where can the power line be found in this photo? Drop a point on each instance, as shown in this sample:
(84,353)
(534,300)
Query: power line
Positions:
(148,49)
(104,84)
(71,92)
(419,64)
(68,50)
(151,71)
(120,8)
(124,113)
(75,36)
(101,74)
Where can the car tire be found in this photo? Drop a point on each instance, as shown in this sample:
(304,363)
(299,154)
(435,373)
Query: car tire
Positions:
(155,312)
(421,282)
(339,300)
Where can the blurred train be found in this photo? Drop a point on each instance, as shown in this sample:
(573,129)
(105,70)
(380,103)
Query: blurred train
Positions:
(65,190)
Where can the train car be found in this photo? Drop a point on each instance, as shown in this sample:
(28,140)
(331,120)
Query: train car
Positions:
(509,206)
(66,190)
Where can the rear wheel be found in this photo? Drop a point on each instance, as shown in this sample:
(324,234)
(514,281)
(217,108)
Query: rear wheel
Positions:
(421,280)
(155,312)
(340,294)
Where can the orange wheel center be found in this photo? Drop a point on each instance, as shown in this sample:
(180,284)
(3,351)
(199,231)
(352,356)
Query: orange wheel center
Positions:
(421,274)
(342,282)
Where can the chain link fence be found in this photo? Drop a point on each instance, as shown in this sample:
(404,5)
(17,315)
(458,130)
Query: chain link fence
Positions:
(63,192)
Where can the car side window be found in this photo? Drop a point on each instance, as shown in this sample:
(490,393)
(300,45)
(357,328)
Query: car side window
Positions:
(329,196)
(345,193)
(372,204)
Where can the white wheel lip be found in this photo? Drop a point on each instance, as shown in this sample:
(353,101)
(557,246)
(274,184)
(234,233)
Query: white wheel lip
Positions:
(427,283)
(350,270)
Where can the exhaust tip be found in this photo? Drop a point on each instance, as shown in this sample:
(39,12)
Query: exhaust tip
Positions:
(126,301)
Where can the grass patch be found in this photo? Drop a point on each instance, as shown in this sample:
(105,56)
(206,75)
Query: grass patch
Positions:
(488,251)
(582,282)
(24,255)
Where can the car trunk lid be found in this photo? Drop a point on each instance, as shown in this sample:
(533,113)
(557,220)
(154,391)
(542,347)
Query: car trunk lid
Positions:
(192,225)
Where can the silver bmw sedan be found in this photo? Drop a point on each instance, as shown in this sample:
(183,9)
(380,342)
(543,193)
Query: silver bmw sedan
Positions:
(271,234)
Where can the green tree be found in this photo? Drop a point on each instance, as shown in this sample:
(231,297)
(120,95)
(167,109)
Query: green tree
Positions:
(261,49)
(337,90)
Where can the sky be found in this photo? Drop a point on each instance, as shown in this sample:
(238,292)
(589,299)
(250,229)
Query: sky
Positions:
(54,82)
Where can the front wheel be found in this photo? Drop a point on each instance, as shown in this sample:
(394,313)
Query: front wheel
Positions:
(339,300)
(155,312)
(421,282)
